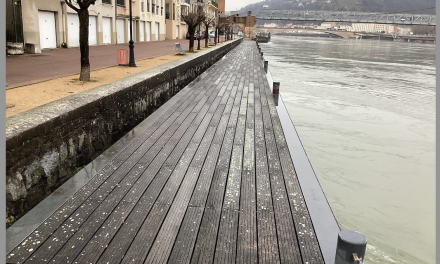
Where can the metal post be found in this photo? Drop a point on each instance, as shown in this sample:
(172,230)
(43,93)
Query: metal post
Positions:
(262,56)
(350,248)
(198,39)
(266,64)
(276,92)
(131,63)
(15,22)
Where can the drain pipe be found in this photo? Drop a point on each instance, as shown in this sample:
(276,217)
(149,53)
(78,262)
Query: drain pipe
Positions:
(63,45)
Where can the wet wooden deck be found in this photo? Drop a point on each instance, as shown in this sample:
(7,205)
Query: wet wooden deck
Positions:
(211,181)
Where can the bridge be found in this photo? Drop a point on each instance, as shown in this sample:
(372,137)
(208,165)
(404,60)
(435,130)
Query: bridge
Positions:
(353,17)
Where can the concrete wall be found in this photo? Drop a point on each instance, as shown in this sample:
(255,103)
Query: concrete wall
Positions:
(31,30)
(45,146)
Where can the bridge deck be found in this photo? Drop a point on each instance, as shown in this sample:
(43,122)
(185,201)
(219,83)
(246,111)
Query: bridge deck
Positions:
(211,181)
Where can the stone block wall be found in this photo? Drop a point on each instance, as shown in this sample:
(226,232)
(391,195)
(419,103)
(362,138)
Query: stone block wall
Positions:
(47,145)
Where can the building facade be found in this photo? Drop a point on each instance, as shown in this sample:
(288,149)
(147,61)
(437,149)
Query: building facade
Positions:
(50,23)
(175,27)
(148,20)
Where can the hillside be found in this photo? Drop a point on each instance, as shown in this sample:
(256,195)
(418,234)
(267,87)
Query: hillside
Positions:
(388,6)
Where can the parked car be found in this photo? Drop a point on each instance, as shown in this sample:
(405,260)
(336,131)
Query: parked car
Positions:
(202,35)
(212,34)
(240,34)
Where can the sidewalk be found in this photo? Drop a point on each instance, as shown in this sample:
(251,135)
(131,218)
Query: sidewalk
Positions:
(54,63)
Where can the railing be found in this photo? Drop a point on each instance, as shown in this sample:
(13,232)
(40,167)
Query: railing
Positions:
(353,17)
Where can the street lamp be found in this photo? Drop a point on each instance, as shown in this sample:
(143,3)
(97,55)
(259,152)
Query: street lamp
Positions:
(249,29)
(131,63)
(218,28)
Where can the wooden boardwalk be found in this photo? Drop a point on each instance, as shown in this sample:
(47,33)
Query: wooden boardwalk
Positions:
(211,181)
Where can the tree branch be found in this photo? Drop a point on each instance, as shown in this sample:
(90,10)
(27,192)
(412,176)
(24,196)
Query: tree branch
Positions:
(69,3)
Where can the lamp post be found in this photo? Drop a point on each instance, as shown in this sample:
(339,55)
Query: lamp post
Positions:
(249,29)
(215,33)
(131,63)
(200,2)
(232,31)
(218,28)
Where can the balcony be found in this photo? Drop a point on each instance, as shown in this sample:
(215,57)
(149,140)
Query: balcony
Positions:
(214,4)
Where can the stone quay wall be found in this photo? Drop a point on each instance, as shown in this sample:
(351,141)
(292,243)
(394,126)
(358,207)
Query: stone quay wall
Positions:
(47,145)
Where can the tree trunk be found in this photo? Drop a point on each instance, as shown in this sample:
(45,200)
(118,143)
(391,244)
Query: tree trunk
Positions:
(84,44)
(191,38)
(206,36)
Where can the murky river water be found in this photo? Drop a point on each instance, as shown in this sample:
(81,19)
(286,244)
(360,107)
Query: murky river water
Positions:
(365,113)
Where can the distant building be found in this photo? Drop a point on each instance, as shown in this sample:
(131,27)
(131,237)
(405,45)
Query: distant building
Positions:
(221,6)
(373,28)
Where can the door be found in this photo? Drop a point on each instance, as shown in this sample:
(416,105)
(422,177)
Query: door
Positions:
(72,30)
(106,30)
(148,31)
(92,30)
(121,31)
(157,31)
(128,31)
(177,32)
(142,31)
(14,22)
(48,37)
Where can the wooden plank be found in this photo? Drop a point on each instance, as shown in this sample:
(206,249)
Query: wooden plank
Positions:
(267,235)
(22,252)
(116,249)
(204,249)
(247,230)
(166,237)
(69,239)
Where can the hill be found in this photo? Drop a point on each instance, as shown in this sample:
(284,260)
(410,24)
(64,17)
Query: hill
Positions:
(386,6)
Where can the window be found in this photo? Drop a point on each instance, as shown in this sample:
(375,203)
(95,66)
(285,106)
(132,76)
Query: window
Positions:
(174,12)
(167,11)
(161,11)
(120,2)
(142,6)
(107,2)
(148,5)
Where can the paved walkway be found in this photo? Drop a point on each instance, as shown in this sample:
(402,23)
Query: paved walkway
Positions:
(211,181)
(54,63)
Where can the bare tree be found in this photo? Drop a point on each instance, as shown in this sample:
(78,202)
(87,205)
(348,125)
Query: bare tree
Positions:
(81,7)
(192,20)
(209,21)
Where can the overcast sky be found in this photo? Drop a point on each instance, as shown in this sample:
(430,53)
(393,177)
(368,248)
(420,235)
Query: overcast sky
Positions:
(232,5)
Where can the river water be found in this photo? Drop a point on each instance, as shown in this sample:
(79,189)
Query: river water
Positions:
(365,113)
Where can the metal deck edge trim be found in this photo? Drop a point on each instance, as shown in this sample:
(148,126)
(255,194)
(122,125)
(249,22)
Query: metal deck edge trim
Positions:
(324,222)
(24,226)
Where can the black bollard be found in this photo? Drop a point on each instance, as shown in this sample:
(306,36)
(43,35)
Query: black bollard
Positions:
(350,248)
(262,56)
(266,63)
(276,92)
